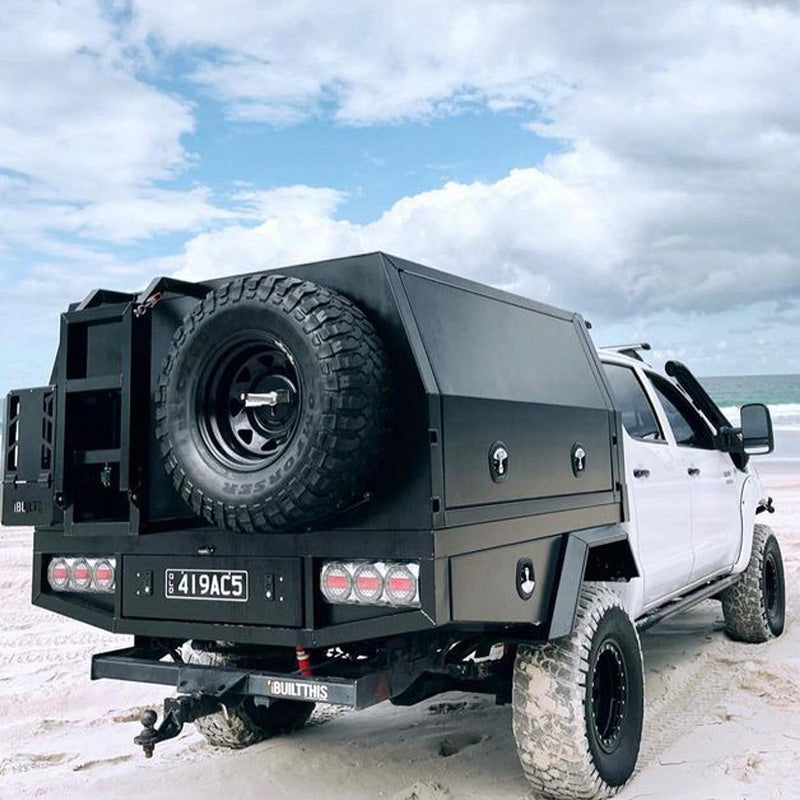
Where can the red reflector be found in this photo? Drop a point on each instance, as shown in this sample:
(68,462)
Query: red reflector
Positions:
(336,581)
(60,573)
(368,583)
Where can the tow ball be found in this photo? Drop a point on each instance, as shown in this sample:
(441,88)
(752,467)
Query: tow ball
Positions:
(178,711)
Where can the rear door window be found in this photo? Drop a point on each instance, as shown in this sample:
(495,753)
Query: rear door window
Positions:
(638,416)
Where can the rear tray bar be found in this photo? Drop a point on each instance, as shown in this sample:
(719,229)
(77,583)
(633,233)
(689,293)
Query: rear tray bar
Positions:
(144,665)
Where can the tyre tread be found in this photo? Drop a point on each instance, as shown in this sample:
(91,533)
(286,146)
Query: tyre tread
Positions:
(234,730)
(349,444)
(743,603)
(548,700)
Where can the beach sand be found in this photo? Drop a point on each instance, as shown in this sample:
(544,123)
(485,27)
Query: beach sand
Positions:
(723,719)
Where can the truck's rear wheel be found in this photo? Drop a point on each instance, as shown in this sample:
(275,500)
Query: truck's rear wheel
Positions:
(755,607)
(272,404)
(578,703)
(248,723)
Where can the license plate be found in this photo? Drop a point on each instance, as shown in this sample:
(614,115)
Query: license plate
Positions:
(226,585)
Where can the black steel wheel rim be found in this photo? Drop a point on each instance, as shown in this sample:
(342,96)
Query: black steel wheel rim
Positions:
(772,589)
(609,695)
(252,365)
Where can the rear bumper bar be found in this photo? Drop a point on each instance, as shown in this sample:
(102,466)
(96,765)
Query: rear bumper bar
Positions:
(144,665)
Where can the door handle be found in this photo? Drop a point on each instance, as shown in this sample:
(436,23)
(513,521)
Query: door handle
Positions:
(641,473)
(693,471)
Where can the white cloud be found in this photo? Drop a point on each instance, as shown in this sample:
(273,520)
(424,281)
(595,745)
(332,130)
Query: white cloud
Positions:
(575,232)
(680,179)
(82,138)
(74,116)
(148,212)
(288,201)
(676,193)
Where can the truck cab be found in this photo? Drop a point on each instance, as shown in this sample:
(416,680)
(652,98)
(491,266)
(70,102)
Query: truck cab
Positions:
(692,510)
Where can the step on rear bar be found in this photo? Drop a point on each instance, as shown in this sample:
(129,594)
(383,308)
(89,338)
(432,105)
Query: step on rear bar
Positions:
(144,665)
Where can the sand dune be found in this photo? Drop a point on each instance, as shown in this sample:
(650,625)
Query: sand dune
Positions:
(723,719)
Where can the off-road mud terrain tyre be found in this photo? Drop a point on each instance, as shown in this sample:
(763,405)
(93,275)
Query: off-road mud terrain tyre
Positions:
(235,728)
(755,607)
(578,703)
(273,467)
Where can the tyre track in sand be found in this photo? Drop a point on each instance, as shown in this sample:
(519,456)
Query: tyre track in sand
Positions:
(687,703)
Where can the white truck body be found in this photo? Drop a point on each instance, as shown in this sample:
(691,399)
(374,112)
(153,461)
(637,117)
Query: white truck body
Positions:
(692,511)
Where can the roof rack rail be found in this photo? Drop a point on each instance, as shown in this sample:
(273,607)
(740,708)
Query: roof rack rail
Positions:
(630,350)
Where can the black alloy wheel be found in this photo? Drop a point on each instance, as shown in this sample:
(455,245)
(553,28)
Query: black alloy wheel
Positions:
(774,591)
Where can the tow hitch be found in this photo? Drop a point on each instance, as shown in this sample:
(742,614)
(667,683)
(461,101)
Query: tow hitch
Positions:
(178,711)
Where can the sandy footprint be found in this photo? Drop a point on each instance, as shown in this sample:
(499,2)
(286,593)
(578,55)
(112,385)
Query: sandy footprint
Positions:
(25,762)
(744,768)
(101,762)
(457,742)
(423,790)
(765,682)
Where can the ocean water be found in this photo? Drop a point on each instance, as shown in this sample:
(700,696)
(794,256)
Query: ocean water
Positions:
(780,392)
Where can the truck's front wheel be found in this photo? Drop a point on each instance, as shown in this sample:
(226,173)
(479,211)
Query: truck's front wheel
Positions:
(248,723)
(755,607)
(578,703)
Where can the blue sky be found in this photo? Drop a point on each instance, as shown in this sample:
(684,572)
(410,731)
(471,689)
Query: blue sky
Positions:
(638,164)
(375,165)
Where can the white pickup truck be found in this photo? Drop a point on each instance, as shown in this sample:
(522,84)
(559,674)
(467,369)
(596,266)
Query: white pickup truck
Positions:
(579,702)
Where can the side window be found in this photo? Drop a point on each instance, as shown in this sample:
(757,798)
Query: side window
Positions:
(638,416)
(689,427)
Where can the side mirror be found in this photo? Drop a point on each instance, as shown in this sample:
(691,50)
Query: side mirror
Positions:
(758,438)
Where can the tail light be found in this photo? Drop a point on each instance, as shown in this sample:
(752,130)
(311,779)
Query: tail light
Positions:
(401,585)
(371,583)
(58,574)
(337,583)
(103,576)
(80,577)
(79,574)
(368,584)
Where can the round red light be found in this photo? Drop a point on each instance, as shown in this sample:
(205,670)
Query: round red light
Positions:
(103,576)
(401,585)
(58,574)
(336,583)
(81,577)
(368,584)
